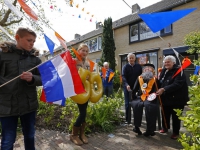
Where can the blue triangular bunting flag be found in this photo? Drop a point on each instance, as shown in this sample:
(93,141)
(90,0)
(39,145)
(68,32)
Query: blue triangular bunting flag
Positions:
(197,69)
(158,21)
(49,43)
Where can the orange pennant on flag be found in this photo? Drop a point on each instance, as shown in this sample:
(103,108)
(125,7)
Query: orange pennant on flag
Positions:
(103,72)
(77,54)
(185,63)
(111,76)
(83,9)
(77,6)
(28,10)
(91,65)
(61,40)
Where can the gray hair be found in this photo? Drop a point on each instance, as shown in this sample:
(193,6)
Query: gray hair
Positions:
(130,54)
(171,58)
(106,63)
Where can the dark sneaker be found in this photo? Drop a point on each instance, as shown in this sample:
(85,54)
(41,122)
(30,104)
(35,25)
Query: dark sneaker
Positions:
(174,136)
(163,131)
(137,130)
(148,133)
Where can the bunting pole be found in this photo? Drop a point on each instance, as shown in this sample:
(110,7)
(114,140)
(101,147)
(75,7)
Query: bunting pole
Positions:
(162,110)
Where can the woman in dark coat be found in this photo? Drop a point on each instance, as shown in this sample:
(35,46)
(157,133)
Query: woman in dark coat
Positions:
(174,94)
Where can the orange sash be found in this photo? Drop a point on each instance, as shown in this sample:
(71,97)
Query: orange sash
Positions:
(145,91)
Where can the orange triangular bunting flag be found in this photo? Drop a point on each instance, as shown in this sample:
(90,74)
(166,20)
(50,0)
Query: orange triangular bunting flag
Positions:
(77,6)
(103,72)
(77,54)
(59,36)
(111,76)
(91,65)
(186,62)
(28,10)
(83,9)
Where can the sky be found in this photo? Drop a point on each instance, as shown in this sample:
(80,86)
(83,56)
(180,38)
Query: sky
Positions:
(66,21)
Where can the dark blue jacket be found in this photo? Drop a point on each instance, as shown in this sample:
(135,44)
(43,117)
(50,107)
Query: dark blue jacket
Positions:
(130,74)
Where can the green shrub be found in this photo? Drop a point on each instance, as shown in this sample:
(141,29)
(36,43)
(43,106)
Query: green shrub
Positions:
(191,120)
(103,115)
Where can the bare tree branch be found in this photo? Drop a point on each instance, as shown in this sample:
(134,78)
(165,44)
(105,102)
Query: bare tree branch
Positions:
(6,16)
(12,22)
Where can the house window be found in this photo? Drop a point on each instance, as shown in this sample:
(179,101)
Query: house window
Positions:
(134,32)
(145,58)
(93,44)
(141,31)
(99,43)
(145,32)
(168,29)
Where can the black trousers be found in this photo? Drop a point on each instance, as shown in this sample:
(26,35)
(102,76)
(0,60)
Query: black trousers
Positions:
(151,109)
(176,122)
(82,114)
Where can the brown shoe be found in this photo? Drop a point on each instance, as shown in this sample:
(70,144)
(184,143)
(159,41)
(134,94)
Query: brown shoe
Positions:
(74,136)
(82,134)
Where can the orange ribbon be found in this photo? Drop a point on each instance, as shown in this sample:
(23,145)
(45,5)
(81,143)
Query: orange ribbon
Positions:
(145,91)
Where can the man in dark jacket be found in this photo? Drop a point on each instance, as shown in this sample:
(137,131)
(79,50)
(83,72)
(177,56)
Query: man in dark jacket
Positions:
(130,73)
(174,94)
(18,98)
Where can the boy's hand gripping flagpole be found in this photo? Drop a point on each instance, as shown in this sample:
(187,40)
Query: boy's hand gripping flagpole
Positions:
(162,110)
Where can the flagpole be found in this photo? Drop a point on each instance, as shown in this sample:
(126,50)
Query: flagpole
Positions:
(127,4)
(168,44)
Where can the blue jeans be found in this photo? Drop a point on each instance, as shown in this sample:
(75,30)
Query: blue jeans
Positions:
(9,128)
(108,90)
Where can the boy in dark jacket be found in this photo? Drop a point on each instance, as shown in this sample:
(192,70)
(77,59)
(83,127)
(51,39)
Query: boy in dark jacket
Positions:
(18,98)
